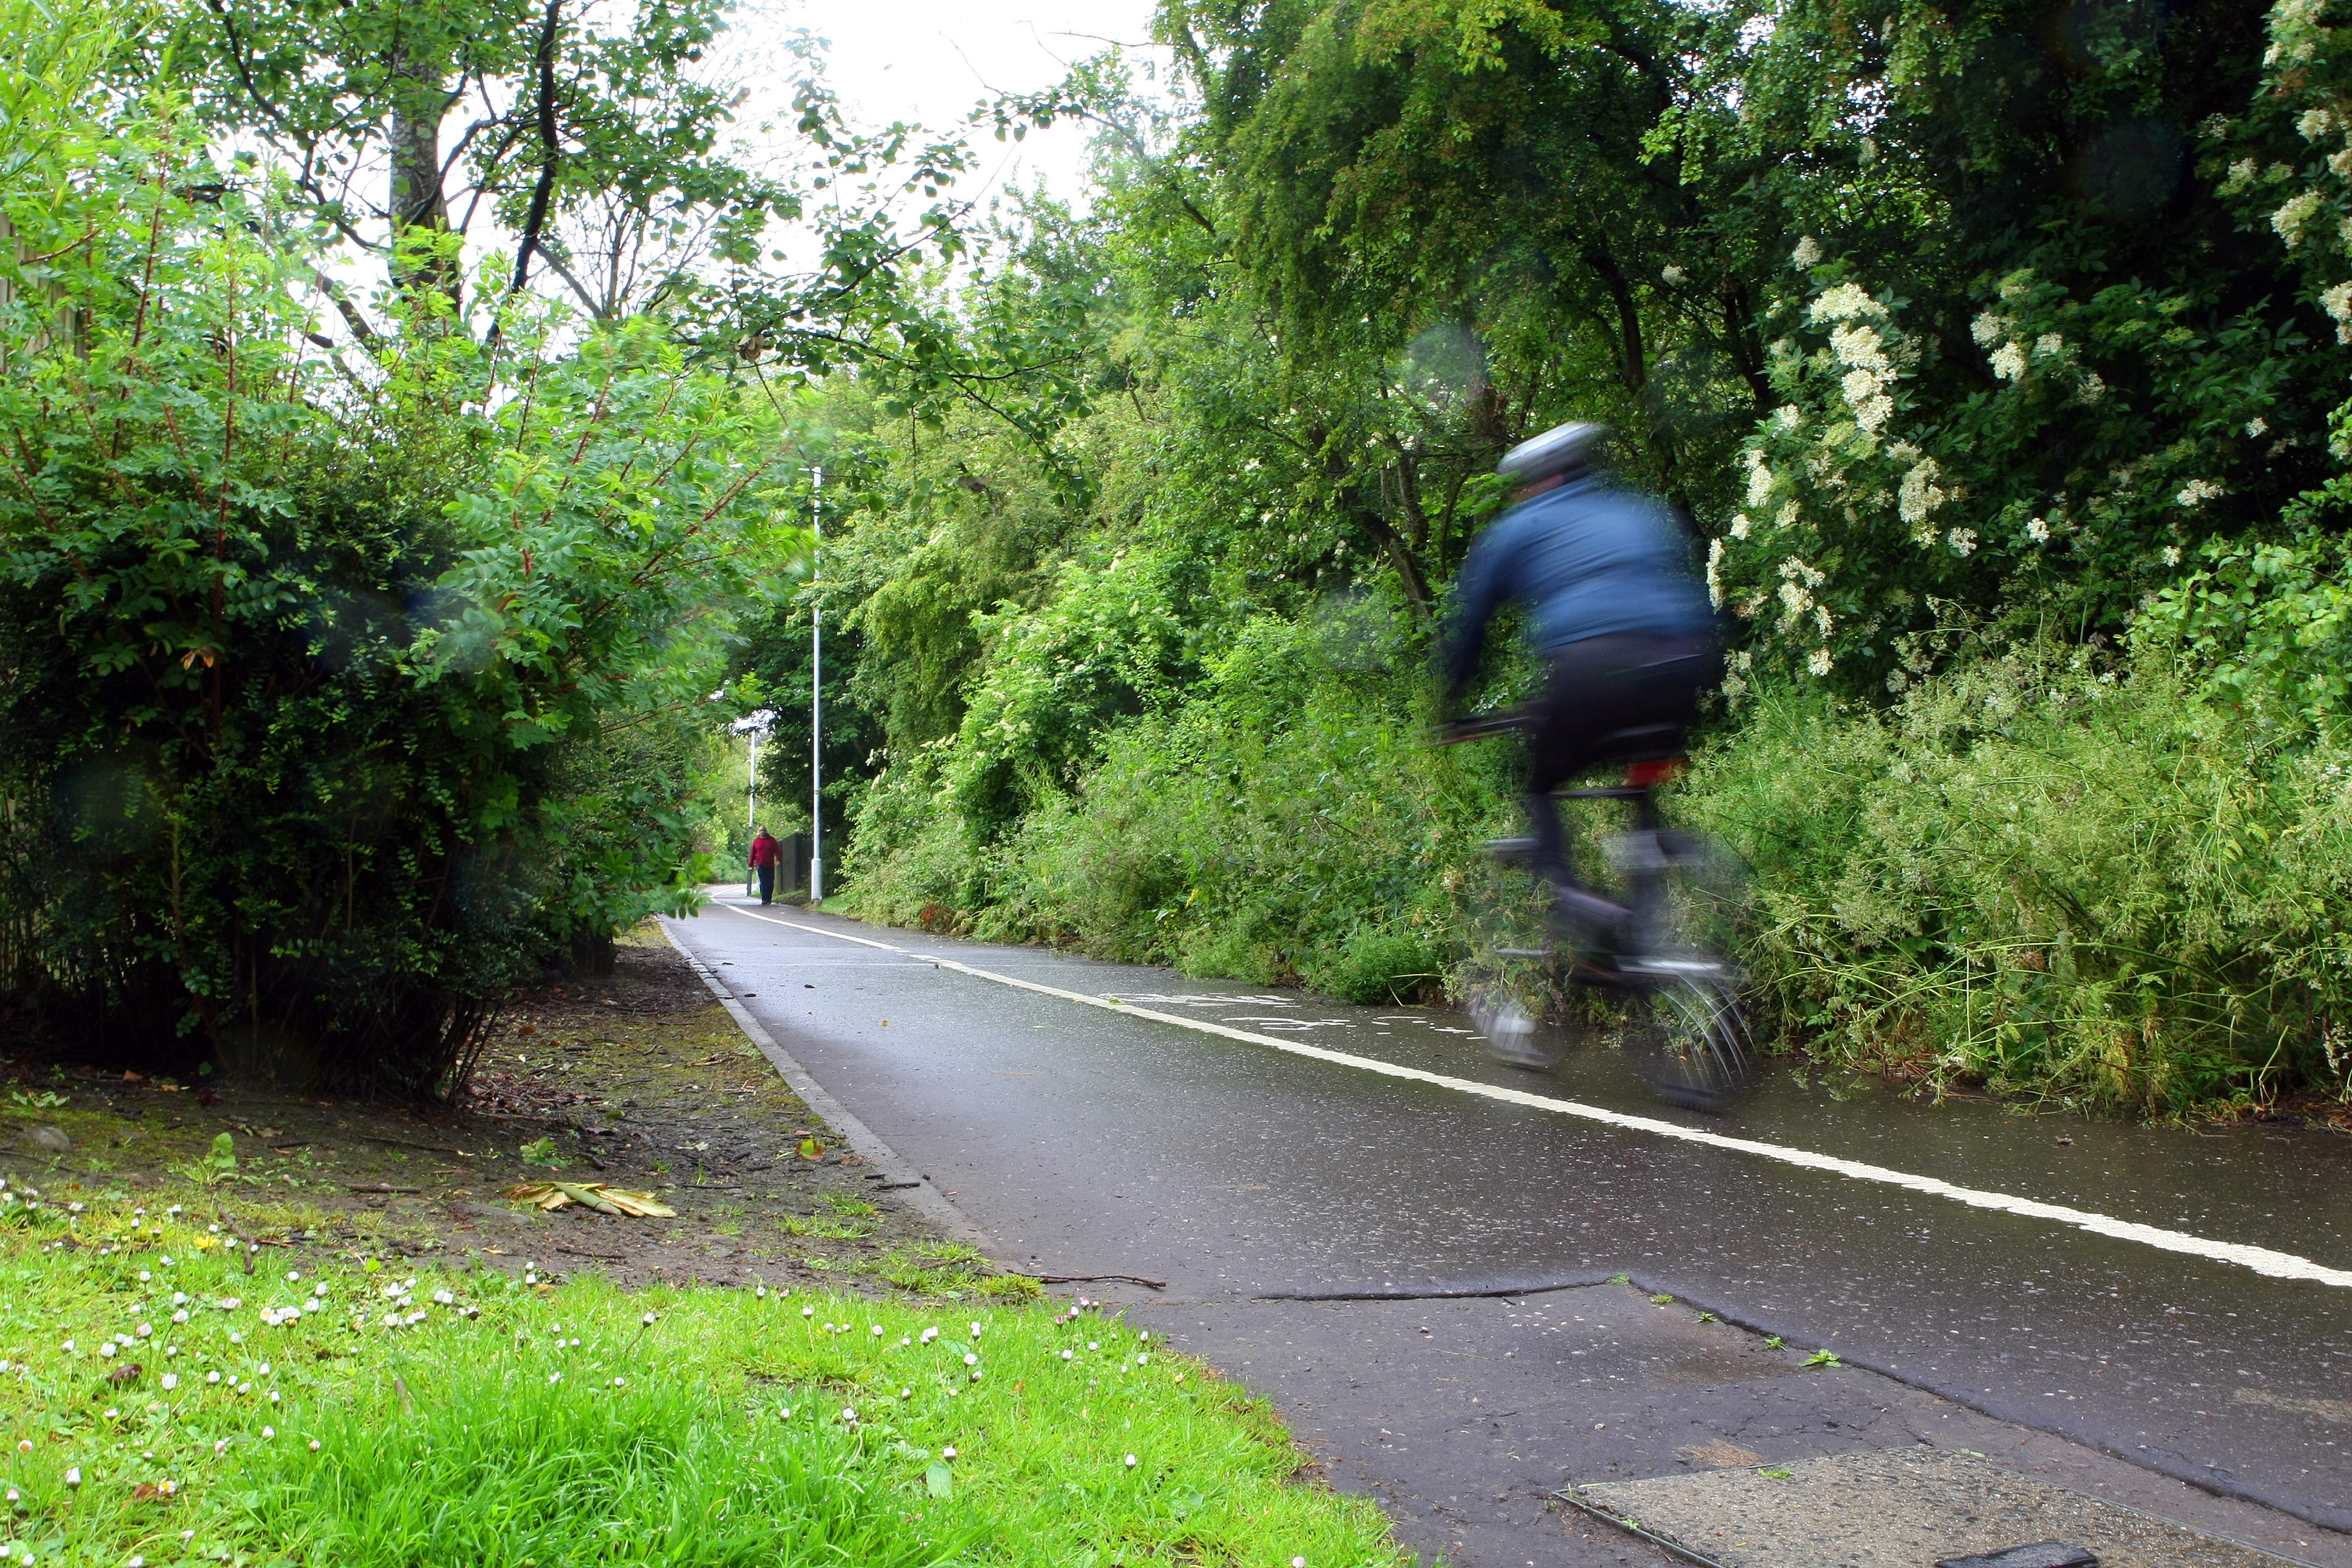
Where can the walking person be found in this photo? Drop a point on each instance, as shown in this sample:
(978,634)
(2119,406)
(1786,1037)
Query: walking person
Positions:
(766,855)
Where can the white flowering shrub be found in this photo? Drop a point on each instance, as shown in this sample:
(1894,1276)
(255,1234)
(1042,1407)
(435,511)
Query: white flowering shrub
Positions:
(2068,444)
(2011,390)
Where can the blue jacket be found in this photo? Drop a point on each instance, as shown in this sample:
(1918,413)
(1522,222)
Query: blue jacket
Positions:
(1591,559)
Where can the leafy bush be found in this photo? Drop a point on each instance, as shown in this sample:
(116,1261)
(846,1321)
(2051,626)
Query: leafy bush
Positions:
(1110,644)
(2265,623)
(1285,824)
(334,696)
(2049,877)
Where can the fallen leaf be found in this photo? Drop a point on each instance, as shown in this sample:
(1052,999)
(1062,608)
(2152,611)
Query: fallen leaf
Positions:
(586,1196)
(593,1196)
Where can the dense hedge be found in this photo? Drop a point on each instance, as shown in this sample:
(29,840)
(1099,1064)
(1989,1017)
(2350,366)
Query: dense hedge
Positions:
(335,695)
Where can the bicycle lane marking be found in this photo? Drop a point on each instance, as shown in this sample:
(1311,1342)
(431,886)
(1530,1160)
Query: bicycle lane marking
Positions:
(2262,1260)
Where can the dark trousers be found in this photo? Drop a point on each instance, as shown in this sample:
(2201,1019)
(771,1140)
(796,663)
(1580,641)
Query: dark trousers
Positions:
(767,883)
(1598,687)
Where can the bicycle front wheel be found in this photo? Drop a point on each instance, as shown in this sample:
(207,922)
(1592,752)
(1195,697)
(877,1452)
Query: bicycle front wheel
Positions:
(1695,1047)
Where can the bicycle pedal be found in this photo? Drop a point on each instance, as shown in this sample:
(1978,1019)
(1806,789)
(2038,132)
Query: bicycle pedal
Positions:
(1689,968)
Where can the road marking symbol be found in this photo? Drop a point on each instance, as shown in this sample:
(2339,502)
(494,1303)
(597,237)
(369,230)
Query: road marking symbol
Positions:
(2260,1259)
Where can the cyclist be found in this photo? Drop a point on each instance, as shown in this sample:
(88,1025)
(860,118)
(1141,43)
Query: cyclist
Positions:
(1624,623)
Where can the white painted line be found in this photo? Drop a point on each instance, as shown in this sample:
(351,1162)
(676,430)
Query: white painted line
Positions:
(921,1195)
(2260,1259)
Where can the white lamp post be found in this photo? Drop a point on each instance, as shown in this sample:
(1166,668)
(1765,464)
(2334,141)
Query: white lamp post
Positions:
(816,694)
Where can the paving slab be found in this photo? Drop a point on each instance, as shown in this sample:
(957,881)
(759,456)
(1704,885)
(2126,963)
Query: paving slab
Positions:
(1897,1509)
(1467,1416)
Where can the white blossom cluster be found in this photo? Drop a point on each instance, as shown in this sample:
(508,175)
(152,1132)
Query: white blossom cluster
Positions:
(2297,29)
(1860,341)
(1840,465)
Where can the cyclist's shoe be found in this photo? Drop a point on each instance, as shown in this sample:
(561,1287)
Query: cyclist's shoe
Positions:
(1510,1035)
(1588,918)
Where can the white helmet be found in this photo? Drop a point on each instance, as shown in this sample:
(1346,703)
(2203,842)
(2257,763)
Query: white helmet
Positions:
(1556,451)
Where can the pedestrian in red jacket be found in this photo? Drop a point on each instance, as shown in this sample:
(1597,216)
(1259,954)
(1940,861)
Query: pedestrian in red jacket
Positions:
(766,853)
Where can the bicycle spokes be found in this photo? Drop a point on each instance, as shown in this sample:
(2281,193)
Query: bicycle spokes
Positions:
(1694,1043)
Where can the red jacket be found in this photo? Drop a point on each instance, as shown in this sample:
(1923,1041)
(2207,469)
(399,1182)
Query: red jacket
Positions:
(766,851)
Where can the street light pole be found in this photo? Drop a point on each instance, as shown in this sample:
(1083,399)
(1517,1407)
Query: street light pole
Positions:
(817,695)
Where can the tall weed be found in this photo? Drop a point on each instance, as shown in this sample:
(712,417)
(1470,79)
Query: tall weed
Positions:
(1285,824)
(2051,878)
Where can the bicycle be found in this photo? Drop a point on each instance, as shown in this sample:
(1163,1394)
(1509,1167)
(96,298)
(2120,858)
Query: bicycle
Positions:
(1680,992)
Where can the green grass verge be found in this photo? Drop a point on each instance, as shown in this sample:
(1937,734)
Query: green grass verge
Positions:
(164,1406)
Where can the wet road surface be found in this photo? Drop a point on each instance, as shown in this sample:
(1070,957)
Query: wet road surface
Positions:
(1083,1141)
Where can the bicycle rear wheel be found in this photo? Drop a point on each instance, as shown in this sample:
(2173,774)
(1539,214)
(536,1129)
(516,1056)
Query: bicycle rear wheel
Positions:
(1695,1047)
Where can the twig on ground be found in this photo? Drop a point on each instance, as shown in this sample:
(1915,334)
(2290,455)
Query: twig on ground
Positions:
(360,1137)
(377,1187)
(251,1245)
(1093,1278)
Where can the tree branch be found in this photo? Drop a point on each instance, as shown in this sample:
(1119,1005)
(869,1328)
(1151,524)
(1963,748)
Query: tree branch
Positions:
(535,219)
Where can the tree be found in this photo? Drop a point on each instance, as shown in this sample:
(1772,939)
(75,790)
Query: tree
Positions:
(403,121)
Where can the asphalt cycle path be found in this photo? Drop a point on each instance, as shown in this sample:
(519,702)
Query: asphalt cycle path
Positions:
(1448,1273)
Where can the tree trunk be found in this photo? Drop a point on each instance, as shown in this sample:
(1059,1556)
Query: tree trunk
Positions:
(1634,362)
(420,207)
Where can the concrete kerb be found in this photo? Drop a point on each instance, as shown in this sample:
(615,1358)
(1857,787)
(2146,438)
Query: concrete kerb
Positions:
(898,1174)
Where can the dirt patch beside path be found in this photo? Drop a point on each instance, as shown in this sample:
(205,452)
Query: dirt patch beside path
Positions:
(638,1080)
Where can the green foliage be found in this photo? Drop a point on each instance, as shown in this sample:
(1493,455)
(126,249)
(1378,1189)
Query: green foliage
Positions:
(52,56)
(598,145)
(2266,624)
(215,1167)
(2048,875)
(1108,644)
(338,695)
(2049,357)
(1284,823)
(1413,166)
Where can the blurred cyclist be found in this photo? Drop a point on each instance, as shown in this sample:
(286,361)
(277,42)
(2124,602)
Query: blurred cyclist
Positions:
(1624,625)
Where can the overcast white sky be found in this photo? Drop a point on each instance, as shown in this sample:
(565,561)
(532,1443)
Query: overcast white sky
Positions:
(930,62)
